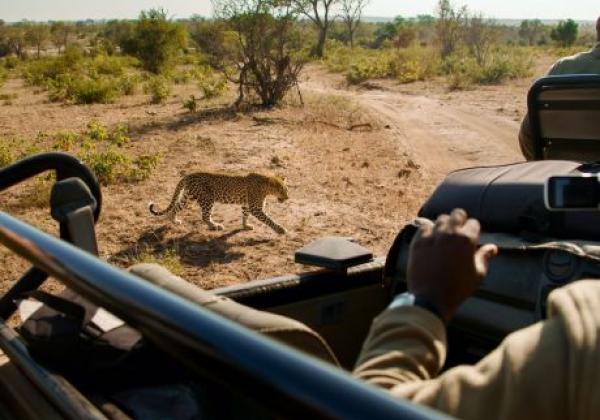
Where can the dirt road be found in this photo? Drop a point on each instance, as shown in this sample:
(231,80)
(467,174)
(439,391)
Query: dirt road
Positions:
(438,133)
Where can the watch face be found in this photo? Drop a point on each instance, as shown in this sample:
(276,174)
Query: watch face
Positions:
(405,299)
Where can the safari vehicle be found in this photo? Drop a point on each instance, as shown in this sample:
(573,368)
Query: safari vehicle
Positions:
(187,361)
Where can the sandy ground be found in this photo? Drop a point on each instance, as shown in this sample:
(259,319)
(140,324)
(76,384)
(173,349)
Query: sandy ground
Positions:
(363,183)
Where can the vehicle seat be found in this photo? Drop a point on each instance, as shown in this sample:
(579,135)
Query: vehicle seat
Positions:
(280,328)
(564,112)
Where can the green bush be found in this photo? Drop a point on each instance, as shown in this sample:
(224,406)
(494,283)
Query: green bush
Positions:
(416,64)
(464,71)
(10,62)
(141,168)
(108,165)
(97,131)
(119,136)
(190,104)
(211,84)
(3,76)
(158,88)
(92,91)
(155,40)
(128,83)
(64,141)
(181,77)
(7,155)
(73,77)
(361,64)
(112,166)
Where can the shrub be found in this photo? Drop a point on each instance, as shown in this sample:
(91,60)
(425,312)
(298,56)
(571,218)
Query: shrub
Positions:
(464,71)
(211,84)
(11,62)
(128,83)
(416,63)
(182,76)
(111,166)
(142,168)
(155,40)
(107,65)
(360,64)
(120,135)
(190,104)
(168,259)
(565,33)
(267,54)
(65,141)
(7,155)
(91,91)
(158,88)
(3,76)
(38,195)
(108,165)
(97,131)
(82,80)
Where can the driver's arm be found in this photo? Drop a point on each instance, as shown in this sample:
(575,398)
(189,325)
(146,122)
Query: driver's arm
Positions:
(550,370)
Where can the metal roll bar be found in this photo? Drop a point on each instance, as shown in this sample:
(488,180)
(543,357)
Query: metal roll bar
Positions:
(285,380)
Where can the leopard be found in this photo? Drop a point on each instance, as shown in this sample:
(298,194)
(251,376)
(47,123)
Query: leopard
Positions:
(207,188)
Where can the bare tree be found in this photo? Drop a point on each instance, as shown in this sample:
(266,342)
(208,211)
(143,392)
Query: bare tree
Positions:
(449,25)
(352,11)
(320,12)
(266,51)
(479,36)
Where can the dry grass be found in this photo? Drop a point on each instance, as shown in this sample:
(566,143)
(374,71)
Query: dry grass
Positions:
(343,180)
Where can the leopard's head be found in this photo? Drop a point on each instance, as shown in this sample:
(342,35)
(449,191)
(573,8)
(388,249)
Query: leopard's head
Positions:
(280,189)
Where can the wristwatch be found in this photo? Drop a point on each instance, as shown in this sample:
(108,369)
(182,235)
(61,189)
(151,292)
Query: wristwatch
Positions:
(409,299)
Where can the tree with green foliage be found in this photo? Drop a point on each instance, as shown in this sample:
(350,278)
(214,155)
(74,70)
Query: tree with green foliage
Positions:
(565,33)
(531,30)
(209,36)
(37,35)
(449,26)
(401,32)
(155,40)
(479,35)
(266,50)
(61,32)
(114,33)
(14,37)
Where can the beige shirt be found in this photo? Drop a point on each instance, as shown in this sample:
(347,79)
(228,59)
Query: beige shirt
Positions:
(550,370)
(582,63)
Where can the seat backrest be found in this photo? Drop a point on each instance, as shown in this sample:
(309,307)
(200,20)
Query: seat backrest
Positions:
(564,112)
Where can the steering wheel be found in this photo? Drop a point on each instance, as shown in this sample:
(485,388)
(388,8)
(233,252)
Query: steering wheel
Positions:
(80,183)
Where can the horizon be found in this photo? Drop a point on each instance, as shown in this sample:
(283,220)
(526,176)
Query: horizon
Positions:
(72,10)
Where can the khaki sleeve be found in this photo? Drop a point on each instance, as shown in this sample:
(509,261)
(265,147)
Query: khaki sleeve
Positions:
(549,370)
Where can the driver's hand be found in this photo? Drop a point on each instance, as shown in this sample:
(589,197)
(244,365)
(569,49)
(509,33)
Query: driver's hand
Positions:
(446,265)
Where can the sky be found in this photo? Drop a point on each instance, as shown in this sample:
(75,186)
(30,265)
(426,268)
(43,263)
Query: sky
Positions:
(42,10)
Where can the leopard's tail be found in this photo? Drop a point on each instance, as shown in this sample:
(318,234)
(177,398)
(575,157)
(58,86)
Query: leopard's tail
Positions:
(178,201)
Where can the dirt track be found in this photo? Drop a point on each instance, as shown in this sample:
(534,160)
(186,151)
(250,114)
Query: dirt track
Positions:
(441,135)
